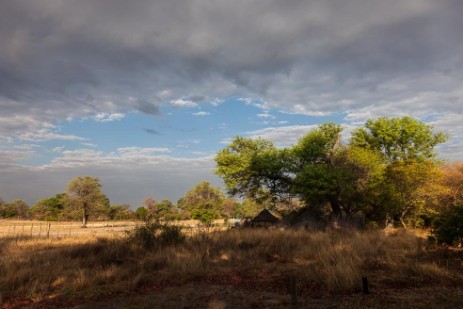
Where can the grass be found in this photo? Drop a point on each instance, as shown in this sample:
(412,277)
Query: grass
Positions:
(86,267)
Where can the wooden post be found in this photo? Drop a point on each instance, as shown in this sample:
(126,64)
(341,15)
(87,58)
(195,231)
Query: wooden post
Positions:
(32,229)
(293,291)
(48,231)
(365,285)
(40,229)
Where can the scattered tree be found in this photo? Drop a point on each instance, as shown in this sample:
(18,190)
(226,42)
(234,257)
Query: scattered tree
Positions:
(203,202)
(85,194)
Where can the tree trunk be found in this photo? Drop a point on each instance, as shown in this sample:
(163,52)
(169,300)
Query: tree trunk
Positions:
(402,215)
(336,207)
(84,219)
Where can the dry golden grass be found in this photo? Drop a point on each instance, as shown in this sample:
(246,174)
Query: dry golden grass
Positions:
(87,267)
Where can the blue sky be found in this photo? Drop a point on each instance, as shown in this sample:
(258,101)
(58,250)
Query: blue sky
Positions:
(143,94)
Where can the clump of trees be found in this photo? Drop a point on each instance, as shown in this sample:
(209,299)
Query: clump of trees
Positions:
(387,171)
(15,209)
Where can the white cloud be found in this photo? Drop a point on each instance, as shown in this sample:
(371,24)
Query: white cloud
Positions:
(108,117)
(11,156)
(89,144)
(201,114)
(139,151)
(58,149)
(46,135)
(183,103)
(266,116)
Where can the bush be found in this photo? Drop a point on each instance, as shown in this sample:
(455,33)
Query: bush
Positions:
(448,227)
(151,235)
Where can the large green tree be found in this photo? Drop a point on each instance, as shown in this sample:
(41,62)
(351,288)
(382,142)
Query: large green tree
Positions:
(85,193)
(250,167)
(407,144)
(363,176)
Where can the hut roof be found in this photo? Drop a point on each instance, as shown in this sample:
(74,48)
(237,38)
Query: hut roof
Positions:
(265,216)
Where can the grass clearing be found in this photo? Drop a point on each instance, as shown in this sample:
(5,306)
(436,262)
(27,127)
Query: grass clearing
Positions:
(86,269)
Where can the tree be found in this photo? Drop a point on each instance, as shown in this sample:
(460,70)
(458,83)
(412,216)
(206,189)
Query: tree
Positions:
(358,173)
(50,209)
(120,212)
(142,213)
(149,204)
(448,226)
(453,180)
(203,202)
(8,210)
(407,145)
(409,187)
(317,170)
(398,138)
(246,164)
(20,208)
(163,209)
(85,193)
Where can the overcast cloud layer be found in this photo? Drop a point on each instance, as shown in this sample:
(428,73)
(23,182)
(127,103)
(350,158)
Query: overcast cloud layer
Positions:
(65,60)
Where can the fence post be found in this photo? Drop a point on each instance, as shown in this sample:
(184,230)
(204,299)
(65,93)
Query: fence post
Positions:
(48,231)
(293,291)
(365,285)
(32,228)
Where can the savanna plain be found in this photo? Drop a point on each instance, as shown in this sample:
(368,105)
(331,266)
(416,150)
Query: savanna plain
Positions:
(153,265)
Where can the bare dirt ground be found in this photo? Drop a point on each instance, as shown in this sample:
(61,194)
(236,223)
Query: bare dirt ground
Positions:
(220,296)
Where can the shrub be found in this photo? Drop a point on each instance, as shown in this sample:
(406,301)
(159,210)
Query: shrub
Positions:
(448,227)
(151,234)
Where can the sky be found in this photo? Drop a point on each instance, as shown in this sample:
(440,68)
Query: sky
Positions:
(142,94)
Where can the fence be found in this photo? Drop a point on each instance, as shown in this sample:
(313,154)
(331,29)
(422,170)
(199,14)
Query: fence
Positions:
(57,229)
(9,228)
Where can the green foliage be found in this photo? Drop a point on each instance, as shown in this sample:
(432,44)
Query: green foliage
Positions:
(203,202)
(142,213)
(448,227)
(8,210)
(206,214)
(398,138)
(387,170)
(154,235)
(14,209)
(247,166)
(85,194)
(120,212)
(50,209)
(163,209)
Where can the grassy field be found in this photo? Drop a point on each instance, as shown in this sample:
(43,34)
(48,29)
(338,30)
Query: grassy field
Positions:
(57,229)
(240,268)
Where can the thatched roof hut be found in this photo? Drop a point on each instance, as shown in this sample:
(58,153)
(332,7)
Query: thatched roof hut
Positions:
(264,218)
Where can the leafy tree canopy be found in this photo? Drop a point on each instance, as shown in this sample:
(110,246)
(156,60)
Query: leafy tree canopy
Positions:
(85,193)
(398,138)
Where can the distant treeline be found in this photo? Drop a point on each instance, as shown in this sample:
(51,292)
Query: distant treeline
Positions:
(386,172)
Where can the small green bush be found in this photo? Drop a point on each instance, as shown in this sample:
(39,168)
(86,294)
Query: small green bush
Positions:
(152,234)
(448,226)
